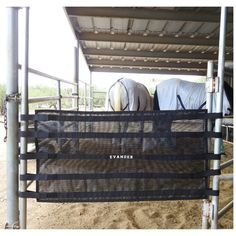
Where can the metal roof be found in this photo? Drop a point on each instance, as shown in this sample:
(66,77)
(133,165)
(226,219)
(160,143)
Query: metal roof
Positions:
(170,40)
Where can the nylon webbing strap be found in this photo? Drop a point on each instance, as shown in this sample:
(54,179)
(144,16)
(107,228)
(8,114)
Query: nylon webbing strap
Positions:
(134,195)
(40,177)
(126,116)
(82,158)
(84,135)
(61,156)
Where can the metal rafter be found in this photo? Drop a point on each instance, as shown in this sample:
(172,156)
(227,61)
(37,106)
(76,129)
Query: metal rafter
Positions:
(146,13)
(154,54)
(147,71)
(192,65)
(106,37)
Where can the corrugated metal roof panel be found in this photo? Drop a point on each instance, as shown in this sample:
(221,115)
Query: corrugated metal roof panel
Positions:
(173,34)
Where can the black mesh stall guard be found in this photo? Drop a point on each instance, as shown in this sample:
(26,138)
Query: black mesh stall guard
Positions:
(120,156)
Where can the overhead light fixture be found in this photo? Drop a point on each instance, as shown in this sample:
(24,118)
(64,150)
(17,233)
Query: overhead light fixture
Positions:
(112,31)
(129,32)
(95,30)
(146,33)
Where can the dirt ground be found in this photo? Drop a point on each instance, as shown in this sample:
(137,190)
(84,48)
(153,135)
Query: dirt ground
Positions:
(125,215)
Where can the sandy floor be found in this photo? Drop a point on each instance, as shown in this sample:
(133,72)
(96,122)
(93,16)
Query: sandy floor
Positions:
(138,215)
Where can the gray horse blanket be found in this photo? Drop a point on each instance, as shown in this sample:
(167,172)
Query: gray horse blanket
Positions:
(176,94)
(129,95)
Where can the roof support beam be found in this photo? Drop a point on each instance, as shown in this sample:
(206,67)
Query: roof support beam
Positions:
(154,54)
(146,71)
(146,13)
(106,37)
(151,64)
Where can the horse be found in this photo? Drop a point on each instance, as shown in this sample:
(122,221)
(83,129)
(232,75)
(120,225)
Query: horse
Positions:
(128,95)
(176,94)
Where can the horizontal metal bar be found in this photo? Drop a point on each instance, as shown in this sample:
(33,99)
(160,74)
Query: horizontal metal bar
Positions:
(99,92)
(147,71)
(227,126)
(154,54)
(84,82)
(147,13)
(226,164)
(192,65)
(39,73)
(73,96)
(226,177)
(124,38)
(43,99)
(225,209)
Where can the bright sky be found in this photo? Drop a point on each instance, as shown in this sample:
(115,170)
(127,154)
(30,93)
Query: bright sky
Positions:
(52,50)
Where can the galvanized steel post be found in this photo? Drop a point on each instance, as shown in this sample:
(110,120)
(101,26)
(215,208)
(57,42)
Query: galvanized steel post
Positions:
(12,118)
(24,111)
(206,204)
(75,103)
(219,105)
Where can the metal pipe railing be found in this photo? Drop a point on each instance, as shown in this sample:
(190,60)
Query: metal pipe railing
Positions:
(219,105)
(225,209)
(39,73)
(226,177)
(226,164)
(24,111)
(12,117)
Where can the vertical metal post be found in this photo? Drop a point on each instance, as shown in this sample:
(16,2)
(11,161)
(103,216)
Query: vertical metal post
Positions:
(219,105)
(90,93)
(24,111)
(205,208)
(12,117)
(59,94)
(75,102)
(85,96)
